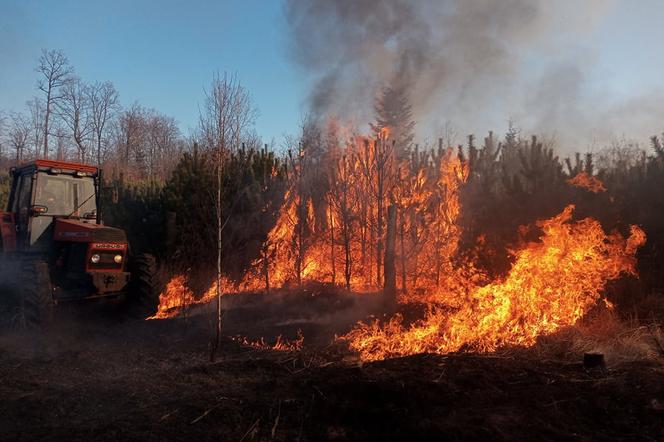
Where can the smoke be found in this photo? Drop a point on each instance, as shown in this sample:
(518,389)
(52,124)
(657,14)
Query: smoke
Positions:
(477,63)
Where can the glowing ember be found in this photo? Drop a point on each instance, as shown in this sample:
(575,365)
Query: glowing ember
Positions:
(588,182)
(552,284)
(281,344)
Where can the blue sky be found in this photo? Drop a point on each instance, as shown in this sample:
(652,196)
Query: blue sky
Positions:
(159,53)
(163,53)
(628,48)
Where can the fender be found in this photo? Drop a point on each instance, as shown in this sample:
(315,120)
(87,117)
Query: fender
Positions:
(8,231)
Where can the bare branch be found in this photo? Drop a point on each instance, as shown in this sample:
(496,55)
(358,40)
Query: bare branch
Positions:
(56,72)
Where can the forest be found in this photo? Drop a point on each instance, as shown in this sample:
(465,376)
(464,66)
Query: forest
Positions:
(365,253)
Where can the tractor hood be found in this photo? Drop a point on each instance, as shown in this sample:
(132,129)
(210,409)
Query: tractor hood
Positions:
(81,231)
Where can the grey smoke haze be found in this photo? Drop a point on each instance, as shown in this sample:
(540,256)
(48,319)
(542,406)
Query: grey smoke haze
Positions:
(478,63)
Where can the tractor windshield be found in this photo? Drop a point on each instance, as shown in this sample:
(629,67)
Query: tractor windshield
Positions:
(66,195)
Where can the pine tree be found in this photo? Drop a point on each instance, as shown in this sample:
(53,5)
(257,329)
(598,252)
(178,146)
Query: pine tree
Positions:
(394,113)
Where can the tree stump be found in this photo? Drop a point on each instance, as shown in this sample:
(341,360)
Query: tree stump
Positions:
(594,360)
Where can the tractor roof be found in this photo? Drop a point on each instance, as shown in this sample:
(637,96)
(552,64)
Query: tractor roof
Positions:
(62,165)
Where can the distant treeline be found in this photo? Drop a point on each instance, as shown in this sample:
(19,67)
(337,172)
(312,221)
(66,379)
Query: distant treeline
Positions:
(512,182)
(162,188)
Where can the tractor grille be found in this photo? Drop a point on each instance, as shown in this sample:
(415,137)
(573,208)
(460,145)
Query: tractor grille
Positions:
(109,234)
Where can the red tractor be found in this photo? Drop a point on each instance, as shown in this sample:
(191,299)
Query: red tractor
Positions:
(55,248)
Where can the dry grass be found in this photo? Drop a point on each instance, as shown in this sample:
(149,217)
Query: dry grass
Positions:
(604,331)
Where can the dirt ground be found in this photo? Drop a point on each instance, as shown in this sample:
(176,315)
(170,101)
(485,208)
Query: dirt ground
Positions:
(94,377)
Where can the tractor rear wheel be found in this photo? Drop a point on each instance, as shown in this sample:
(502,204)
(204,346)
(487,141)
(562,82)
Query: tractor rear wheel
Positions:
(143,296)
(8,291)
(35,309)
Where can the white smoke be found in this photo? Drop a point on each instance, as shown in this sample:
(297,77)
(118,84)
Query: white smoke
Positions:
(478,63)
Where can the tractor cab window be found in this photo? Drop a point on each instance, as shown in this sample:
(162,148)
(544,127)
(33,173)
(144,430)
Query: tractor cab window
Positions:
(65,195)
(22,194)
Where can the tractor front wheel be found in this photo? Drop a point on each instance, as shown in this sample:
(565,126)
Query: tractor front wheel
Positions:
(143,296)
(35,309)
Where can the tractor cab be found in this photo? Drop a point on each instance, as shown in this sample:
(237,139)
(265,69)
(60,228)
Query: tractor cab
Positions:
(52,233)
(45,191)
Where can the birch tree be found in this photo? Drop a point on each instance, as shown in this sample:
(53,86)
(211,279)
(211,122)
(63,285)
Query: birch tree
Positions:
(73,108)
(130,135)
(224,119)
(55,72)
(103,106)
(19,131)
(37,121)
(162,139)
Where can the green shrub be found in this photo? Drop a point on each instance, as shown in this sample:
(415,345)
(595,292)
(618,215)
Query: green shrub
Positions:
(4,189)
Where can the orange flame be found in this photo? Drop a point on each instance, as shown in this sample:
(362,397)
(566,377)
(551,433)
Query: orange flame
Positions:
(588,182)
(552,284)
(428,202)
(384,133)
(339,239)
(177,296)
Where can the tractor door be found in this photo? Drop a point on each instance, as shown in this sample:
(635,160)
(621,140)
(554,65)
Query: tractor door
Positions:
(21,207)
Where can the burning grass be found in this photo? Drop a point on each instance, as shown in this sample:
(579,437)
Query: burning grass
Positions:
(552,284)
(280,344)
(178,297)
(342,237)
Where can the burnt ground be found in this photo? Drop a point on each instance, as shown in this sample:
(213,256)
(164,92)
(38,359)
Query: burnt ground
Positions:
(94,377)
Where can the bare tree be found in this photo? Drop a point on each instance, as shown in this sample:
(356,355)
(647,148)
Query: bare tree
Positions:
(341,200)
(449,134)
(55,72)
(163,136)
(130,134)
(103,105)
(37,118)
(226,116)
(19,131)
(74,110)
(61,142)
(376,163)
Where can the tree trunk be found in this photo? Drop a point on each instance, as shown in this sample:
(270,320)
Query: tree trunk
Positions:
(363,232)
(302,217)
(403,253)
(300,244)
(47,114)
(346,228)
(334,267)
(98,150)
(390,281)
(379,233)
(217,337)
(266,267)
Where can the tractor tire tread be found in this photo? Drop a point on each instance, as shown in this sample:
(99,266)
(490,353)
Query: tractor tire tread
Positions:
(36,309)
(144,291)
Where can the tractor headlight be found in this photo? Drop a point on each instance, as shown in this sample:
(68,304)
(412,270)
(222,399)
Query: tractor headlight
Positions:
(117,259)
(95,258)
